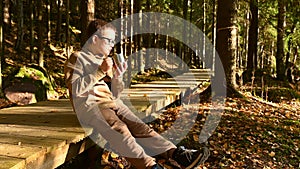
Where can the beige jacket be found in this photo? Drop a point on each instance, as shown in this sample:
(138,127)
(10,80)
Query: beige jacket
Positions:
(86,82)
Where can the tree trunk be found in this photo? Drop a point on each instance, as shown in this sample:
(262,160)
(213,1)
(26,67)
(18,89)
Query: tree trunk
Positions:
(184,34)
(1,45)
(280,67)
(20,22)
(68,39)
(87,15)
(120,48)
(288,61)
(295,54)
(204,31)
(31,6)
(125,27)
(147,38)
(138,37)
(48,21)
(58,20)
(130,49)
(40,34)
(226,36)
(6,15)
(243,56)
(214,30)
(253,35)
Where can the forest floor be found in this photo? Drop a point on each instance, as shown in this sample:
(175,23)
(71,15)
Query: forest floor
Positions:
(254,134)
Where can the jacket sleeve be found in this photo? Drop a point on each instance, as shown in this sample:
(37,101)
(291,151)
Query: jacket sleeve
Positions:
(77,80)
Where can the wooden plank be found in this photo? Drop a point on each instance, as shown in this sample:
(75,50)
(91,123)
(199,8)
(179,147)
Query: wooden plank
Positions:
(25,140)
(58,156)
(151,91)
(170,86)
(173,82)
(143,97)
(37,115)
(61,120)
(22,152)
(74,129)
(63,105)
(37,155)
(191,78)
(11,163)
(39,133)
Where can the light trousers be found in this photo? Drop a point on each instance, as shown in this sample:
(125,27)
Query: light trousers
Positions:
(129,136)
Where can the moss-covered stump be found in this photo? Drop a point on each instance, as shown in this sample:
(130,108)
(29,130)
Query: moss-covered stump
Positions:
(29,85)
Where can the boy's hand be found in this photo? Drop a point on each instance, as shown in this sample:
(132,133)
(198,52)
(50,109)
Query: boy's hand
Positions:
(106,65)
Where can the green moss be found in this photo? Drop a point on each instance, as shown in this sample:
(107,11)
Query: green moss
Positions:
(37,76)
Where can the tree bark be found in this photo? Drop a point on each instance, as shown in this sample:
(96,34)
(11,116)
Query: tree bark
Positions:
(214,32)
(138,37)
(121,10)
(58,20)
(280,67)
(147,38)
(68,39)
(226,37)
(1,44)
(40,34)
(87,15)
(20,20)
(6,14)
(184,55)
(253,35)
(31,5)
(204,31)
(48,21)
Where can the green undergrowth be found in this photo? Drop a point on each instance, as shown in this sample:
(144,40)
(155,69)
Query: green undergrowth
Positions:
(268,88)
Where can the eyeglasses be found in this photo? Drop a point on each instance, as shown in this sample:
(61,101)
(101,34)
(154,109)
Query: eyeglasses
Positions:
(109,41)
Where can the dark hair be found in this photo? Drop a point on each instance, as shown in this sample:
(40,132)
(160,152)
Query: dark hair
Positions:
(98,25)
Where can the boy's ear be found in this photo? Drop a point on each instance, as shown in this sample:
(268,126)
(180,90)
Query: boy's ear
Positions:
(95,38)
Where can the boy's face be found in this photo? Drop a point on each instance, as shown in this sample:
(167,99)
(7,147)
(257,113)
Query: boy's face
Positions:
(106,41)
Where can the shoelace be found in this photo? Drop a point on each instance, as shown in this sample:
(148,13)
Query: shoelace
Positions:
(188,153)
(206,154)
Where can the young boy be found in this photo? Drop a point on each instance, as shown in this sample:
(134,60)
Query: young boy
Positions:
(88,73)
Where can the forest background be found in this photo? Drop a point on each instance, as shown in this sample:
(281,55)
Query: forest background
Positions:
(257,41)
